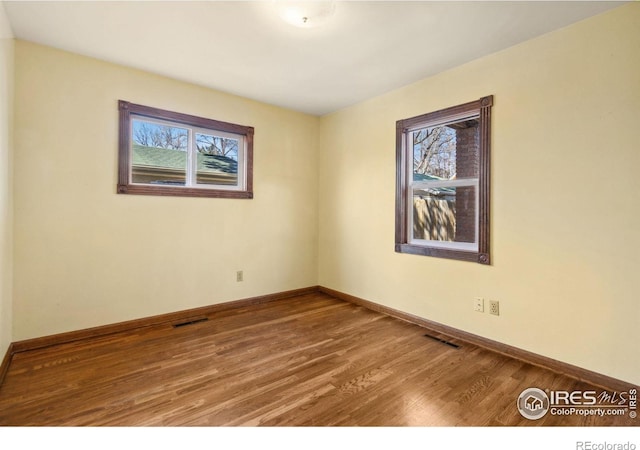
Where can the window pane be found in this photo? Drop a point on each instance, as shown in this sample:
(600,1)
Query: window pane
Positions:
(445,214)
(446,152)
(217,161)
(159,154)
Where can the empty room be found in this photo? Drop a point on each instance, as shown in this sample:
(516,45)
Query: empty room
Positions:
(319,214)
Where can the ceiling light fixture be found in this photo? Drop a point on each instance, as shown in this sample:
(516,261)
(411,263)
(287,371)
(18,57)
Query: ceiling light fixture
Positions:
(305,14)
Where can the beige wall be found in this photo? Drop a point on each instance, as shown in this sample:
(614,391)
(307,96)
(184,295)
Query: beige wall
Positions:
(85,256)
(6,201)
(565,198)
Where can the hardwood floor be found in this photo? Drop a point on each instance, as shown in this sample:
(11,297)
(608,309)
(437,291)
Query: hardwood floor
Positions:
(310,360)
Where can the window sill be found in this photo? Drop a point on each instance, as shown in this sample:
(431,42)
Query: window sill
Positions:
(181,192)
(481,258)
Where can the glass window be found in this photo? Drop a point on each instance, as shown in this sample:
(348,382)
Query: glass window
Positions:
(442,198)
(168,153)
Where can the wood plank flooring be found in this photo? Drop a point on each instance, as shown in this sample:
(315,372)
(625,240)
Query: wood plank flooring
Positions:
(310,360)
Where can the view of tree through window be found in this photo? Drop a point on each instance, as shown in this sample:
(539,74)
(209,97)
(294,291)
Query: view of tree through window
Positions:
(159,136)
(216,145)
(434,152)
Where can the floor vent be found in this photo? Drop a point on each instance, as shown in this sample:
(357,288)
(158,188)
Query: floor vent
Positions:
(450,344)
(190,322)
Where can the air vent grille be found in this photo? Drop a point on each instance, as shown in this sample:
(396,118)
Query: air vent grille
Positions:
(189,322)
(442,341)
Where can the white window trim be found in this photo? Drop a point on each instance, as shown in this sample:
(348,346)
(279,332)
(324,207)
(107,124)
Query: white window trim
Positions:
(416,185)
(191,168)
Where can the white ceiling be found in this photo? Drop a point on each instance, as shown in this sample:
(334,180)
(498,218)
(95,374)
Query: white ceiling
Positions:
(364,49)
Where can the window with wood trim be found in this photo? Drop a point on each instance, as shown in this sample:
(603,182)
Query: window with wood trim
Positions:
(169,153)
(442,182)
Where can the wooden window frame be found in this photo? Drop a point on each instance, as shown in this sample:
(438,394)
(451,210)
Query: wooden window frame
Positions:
(128,110)
(404,156)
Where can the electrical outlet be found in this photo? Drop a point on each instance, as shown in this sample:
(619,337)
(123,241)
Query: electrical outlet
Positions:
(478,304)
(494,307)
(239,275)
